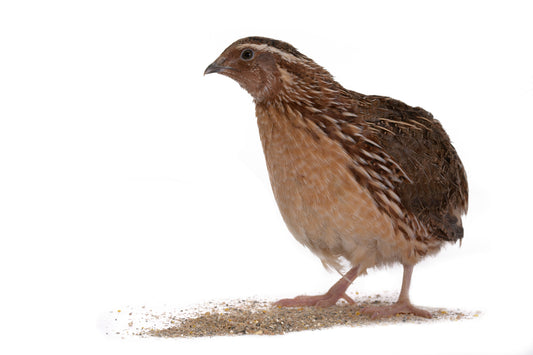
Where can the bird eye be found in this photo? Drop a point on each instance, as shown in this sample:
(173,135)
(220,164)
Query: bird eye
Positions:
(247,54)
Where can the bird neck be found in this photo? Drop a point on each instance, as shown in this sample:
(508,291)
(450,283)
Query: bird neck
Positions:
(306,98)
(303,83)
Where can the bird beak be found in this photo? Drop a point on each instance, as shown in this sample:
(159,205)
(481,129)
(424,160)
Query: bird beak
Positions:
(216,68)
(213,68)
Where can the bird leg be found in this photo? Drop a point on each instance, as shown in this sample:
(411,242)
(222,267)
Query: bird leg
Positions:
(403,305)
(330,298)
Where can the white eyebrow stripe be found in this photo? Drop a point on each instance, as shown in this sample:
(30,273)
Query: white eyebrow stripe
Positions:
(265,47)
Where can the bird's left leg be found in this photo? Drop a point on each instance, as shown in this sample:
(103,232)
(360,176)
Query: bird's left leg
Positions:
(403,305)
(330,298)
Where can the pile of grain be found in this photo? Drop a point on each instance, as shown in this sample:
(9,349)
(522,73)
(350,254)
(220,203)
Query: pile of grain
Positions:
(255,317)
(263,318)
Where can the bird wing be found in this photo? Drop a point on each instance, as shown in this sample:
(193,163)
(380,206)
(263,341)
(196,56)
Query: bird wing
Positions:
(436,190)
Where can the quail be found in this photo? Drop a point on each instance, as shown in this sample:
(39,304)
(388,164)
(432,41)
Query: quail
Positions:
(363,181)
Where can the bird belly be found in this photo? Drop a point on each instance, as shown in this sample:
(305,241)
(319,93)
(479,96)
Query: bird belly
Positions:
(321,202)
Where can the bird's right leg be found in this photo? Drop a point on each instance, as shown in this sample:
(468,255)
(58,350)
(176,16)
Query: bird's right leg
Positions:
(335,293)
(403,305)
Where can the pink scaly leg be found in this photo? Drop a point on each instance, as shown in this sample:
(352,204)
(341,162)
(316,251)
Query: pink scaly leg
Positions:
(403,305)
(330,298)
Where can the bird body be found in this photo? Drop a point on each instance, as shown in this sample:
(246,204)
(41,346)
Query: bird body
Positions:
(364,179)
(322,204)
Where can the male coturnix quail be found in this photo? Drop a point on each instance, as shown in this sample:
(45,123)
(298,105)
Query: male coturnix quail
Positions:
(361,178)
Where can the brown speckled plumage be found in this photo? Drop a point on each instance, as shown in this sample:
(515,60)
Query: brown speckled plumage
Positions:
(366,179)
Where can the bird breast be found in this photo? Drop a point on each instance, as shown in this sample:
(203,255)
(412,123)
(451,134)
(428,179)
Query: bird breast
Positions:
(320,201)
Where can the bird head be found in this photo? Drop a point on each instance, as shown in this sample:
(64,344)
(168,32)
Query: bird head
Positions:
(267,68)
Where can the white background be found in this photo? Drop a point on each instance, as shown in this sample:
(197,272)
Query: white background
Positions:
(127,178)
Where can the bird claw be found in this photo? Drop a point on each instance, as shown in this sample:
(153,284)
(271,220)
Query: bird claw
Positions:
(321,301)
(348,299)
(376,312)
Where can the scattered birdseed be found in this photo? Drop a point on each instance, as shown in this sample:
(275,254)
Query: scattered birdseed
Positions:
(259,317)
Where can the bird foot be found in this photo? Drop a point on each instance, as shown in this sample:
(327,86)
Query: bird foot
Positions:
(326,300)
(376,312)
